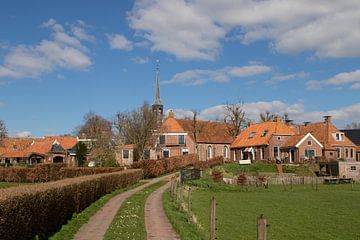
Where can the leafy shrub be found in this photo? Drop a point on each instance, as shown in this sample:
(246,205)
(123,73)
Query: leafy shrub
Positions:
(49,172)
(41,209)
(241,179)
(216,176)
(210,163)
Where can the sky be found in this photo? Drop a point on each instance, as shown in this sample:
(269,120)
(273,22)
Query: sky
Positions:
(61,59)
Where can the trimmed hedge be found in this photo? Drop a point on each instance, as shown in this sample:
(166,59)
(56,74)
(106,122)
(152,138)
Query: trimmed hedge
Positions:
(50,172)
(155,168)
(41,209)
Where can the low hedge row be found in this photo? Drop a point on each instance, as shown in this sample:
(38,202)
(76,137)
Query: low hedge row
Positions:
(41,209)
(49,172)
(154,168)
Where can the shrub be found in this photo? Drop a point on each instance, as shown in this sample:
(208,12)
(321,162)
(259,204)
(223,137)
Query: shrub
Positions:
(216,176)
(49,172)
(41,209)
(241,179)
(210,163)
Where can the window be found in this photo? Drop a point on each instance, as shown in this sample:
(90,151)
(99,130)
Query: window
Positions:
(276,152)
(209,152)
(166,153)
(125,154)
(264,133)
(181,139)
(338,152)
(185,151)
(262,153)
(351,153)
(339,136)
(252,134)
(147,154)
(226,150)
(353,168)
(162,139)
(279,138)
(309,153)
(346,152)
(309,143)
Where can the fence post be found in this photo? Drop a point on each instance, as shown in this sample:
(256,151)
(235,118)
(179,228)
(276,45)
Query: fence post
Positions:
(261,228)
(291,183)
(189,204)
(212,219)
(316,183)
(180,195)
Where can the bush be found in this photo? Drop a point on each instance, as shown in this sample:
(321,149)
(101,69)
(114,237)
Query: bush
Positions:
(216,176)
(41,209)
(216,161)
(49,172)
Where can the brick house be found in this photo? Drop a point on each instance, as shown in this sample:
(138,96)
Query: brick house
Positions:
(354,136)
(29,151)
(336,145)
(124,154)
(176,138)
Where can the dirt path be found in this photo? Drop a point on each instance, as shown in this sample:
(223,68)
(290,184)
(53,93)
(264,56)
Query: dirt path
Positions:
(98,224)
(157,224)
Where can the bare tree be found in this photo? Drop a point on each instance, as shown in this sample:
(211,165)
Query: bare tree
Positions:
(267,116)
(196,128)
(235,118)
(137,127)
(98,129)
(3,130)
(353,125)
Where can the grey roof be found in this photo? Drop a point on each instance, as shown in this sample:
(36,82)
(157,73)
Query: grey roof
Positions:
(353,134)
(56,148)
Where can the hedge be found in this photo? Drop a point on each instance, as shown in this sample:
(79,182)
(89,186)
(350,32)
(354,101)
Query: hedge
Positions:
(49,172)
(155,168)
(41,209)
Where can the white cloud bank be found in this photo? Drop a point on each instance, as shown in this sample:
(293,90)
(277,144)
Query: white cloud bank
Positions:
(194,29)
(63,50)
(200,76)
(118,41)
(340,79)
(296,111)
(23,134)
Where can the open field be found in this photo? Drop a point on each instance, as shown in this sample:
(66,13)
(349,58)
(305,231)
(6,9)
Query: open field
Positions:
(9,184)
(332,212)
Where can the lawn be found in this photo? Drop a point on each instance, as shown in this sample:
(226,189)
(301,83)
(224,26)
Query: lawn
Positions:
(9,184)
(69,230)
(332,212)
(129,222)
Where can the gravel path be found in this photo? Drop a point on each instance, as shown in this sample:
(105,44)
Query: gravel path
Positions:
(157,224)
(98,224)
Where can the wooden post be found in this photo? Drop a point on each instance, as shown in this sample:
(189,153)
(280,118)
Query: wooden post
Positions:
(189,205)
(261,228)
(291,183)
(181,188)
(212,219)
(352,184)
(316,183)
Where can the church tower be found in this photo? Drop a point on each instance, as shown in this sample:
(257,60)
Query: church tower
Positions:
(157,106)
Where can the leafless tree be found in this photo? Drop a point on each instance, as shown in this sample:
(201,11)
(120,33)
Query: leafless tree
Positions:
(138,127)
(3,130)
(235,118)
(267,116)
(196,128)
(353,125)
(98,129)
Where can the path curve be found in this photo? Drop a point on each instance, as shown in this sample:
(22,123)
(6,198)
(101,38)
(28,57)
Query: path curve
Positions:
(157,224)
(98,224)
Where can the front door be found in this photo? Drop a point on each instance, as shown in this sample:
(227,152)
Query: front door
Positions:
(292,156)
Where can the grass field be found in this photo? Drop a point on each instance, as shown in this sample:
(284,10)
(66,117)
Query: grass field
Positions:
(69,230)
(129,222)
(332,212)
(9,184)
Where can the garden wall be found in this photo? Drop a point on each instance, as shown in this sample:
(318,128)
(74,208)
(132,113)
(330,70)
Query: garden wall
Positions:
(41,209)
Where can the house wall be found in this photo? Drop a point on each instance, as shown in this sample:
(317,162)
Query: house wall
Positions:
(124,162)
(349,170)
(333,154)
(304,146)
(217,150)
(172,144)
(276,141)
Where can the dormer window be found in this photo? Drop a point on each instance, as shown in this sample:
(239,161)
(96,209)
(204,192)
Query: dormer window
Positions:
(252,134)
(339,136)
(264,133)
(14,147)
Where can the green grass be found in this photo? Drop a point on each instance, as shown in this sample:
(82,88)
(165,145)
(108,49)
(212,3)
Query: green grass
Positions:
(129,222)
(69,230)
(179,220)
(9,184)
(332,212)
(236,169)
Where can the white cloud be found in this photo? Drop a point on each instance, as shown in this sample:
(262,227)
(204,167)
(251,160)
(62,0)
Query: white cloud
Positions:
(296,112)
(140,60)
(340,79)
(79,31)
(61,51)
(118,41)
(200,76)
(281,78)
(194,29)
(23,134)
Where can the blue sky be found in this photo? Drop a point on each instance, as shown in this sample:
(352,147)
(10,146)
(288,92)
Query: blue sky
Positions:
(61,59)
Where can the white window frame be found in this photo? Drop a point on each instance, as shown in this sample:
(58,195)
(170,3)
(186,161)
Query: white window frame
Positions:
(128,155)
(166,150)
(184,150)
(209,152)
(226,151)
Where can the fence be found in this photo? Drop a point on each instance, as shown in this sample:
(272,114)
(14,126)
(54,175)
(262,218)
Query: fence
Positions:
(274,180)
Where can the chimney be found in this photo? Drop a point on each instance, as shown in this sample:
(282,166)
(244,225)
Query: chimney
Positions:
(289,122)
(327,118)
(277,118)
(249,123)
(171,114)
(306,123)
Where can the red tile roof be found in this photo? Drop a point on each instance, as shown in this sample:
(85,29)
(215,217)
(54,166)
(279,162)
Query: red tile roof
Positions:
(170,125)
(245,140)
(209,132)
(126,146)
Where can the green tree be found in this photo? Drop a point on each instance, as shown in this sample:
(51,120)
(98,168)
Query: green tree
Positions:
(81,153)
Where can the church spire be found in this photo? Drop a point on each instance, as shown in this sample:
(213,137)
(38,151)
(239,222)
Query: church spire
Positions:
(157,107)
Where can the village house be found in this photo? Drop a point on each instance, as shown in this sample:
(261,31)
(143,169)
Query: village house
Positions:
(177,137)
(124,154)
(354,136)
(29,151)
